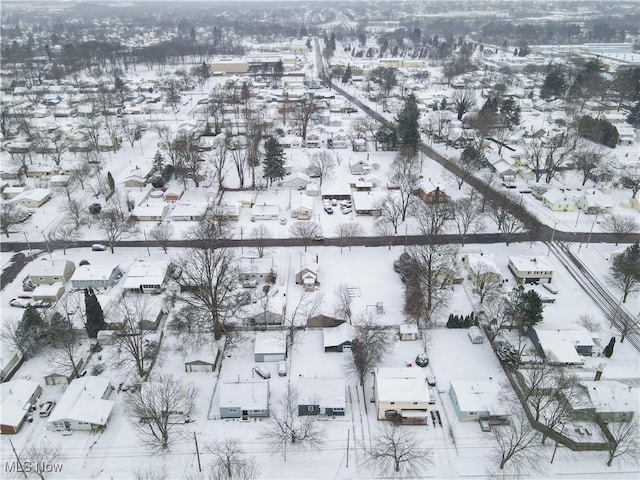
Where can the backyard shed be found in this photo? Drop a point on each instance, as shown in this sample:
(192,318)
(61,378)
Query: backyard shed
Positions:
(270,347)
(475,335)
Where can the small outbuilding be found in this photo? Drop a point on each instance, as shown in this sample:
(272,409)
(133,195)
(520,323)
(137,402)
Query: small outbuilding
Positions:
(270,347)
(408,332)
(337,339)
(475,335)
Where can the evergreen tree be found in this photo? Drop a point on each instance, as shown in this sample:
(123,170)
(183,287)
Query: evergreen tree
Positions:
(625,271)
(94,314)
(608,350)
(273,162)
(158,161)
(599,130)
(31,334)
(510,112)
(112,183)
(554,83)
(346,76)
(407,124)
(472,157)
(527,306)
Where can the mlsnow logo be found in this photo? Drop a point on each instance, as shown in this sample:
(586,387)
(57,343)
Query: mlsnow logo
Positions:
(28,466)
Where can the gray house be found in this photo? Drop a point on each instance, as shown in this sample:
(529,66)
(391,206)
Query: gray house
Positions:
(95,276)
(244,400)
(321,396)
(337,339)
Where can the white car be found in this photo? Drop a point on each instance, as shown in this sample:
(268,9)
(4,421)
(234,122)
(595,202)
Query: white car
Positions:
(16,302)
(47,407)
(98,247)
(347,210)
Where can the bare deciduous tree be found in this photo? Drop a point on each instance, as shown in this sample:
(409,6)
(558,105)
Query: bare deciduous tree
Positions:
(11,215)
(405,173)
(620,226)
(162,234)
(304,111)
(306,230)
(260,233)
(484,281)
(347,232)
(40,455)
(286,430)
(467,215)
(159,409)
(625,441)
(506,222)
(112,224)
(66,350)
(384,228)
(391,212)
(343,302)
(66,235)
(370,345)
(463,101)
(516,449)
(322,165)
(230,462)
(150,473)
(133,339)
(432,218)
(395,451)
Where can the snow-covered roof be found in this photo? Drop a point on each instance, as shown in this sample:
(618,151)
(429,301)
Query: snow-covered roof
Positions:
(401,384)
(367,200)
(596,199)
(612,396)
(192,210)
(302,201)
(47,290)
(326,392)
(531,264)
(555,195)
(477,396)
(408,329)
(82,401)
(14,398)
(335,336)
(47,268)
(37,194)
(150,210)
(248,395)
(97,272)
(555,343)
(270,342)
(296,176)
(482,263)
(149,272)
(256,265)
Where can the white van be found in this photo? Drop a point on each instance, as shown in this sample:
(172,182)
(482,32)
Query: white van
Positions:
(263,372)
(282,368)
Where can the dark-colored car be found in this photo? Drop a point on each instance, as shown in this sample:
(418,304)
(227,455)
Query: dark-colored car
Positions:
(422,360)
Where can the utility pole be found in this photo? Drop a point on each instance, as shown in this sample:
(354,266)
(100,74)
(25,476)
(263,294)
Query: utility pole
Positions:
(28,246)
(348,436)
(195,439)
(17,459)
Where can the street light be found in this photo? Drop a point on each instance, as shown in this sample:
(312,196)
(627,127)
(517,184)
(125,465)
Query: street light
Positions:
(591,231)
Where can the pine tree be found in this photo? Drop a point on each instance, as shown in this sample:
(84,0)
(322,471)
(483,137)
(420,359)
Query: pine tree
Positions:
(608,350)
(31,333)
(407,123)
(158,161)
(94,314)
(273,162)
(527,306)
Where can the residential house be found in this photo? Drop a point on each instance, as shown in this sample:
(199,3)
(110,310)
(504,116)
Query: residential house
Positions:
(339,141)
(308,274)
(12,192)
(477,400)
(434,196)
(313,141)
(359,145)
(401,393)
(558,201)
(611,400)
(301,207)
(361,185)
(531,269)
(270,347)
(322,396)
(313,189)
(153,212)
(146,276)
(16,399)
(47,272)
(505,171)
(189,212)
(290,141)
(85,405)
(360,167)
(32,198)
(594,202)
(265,212)
(367,203)
(561,346)
(96,276)
(408,332)
(11,362)
(295,180)
(256,270)
(337,339)
(244,400)
(482,265)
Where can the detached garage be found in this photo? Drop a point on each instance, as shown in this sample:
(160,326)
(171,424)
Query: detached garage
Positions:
(270,347)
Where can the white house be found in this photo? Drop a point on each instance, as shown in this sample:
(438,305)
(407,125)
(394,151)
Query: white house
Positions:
(480,264)
(150,212)
(188,212)
(46,272)
(244,400)
(308,273)
(401,393)
(594,201)
(531,269)
(474,400)
(32,198)
(301,206)
(558,201)
(265,212)
(85,405)
(295,180)
(146,276)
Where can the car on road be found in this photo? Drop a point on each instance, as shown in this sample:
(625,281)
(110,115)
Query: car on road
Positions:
(98,247)
(47,407)
(16,302)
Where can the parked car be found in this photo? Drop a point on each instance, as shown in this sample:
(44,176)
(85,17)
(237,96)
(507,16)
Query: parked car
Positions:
(334,202)
(347,210)
(422,360)
(431,380)
(47,407)
(16,302)
(98,247)
(329,210)
(41,304)
(283,220)
(346,203)
(282,368)
(263,372)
